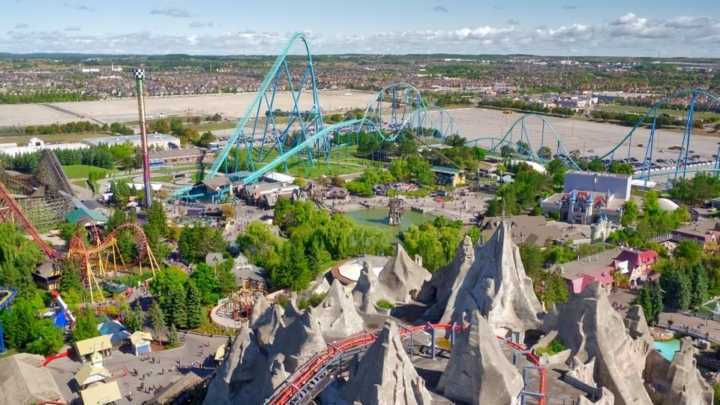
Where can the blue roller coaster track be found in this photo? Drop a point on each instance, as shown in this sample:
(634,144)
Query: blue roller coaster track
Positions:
(519,137)
(273,130)
(285,121)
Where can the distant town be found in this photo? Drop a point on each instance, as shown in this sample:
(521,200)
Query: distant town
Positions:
(373,229)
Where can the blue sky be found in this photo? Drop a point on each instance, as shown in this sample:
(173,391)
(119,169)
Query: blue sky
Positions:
(608,27)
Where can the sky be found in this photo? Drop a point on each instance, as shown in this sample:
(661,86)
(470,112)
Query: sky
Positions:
(658,28)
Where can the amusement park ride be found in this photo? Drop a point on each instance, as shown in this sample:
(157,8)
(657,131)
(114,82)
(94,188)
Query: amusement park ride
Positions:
(644,128)
(96,260)
(269,136)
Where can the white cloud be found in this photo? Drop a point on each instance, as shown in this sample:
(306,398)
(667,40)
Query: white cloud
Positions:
(171,12)
(201,24)
(629,34)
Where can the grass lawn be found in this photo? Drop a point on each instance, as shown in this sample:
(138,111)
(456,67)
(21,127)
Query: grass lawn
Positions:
(643,110)
(81,171)
(342,160)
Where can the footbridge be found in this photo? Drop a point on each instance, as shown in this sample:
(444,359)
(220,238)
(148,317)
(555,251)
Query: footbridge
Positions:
(311,378)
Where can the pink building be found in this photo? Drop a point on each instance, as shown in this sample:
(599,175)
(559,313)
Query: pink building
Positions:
(637,264)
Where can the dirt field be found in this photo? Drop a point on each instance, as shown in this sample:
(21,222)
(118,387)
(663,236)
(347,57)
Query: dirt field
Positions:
(125,109)
(591,138)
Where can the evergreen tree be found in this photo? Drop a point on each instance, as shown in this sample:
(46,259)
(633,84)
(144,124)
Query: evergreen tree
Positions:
(676,285)
(172,336)
(157,319)
(85,326)
(699,286)
(135,319)
(657,299)
(176,311)
(646,301)
(194,307)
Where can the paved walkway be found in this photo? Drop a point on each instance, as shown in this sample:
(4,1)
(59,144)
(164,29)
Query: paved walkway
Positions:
(138,379)
(693,325)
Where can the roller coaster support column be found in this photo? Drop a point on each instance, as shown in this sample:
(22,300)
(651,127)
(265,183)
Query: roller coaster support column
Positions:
(687,134)
(139,88)
(647,164)
(432,340)
(452,334)
(2,339)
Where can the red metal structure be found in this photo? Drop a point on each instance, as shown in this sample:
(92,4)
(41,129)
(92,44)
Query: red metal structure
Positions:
(93,258)
(10,212)
(301,382)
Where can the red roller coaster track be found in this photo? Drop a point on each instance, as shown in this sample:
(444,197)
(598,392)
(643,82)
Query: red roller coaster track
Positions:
(10,212)
(300,382)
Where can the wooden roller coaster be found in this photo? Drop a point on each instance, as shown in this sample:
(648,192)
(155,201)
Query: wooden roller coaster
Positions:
(97,259)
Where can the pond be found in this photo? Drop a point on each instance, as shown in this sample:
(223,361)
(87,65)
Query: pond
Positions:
(377,218)
(667,348)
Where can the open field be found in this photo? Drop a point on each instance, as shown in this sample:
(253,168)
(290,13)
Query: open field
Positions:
(125,109)
(591,138)
(82,171)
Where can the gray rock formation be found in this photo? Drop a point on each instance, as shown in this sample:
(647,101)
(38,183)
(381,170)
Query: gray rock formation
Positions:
(494,283)
(337,314)
(595,332)
(440,287)
(478,372)
(385,375)
(637,325)
(299,341)
(682,383)
(241,378)
(400,281)
(607,398)
(267,325)
(402,277)
(259,309)
(367,291)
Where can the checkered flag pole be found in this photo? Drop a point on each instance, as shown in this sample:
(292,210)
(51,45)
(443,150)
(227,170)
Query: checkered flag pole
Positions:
(139,74)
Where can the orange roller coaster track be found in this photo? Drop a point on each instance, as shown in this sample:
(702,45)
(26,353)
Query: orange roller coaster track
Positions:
(97,259)
(103,257)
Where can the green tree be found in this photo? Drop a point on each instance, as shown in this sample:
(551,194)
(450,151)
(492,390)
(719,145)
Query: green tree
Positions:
(19,257)
(699,280)
(596,165)
(688,250)
(157,318)
(544,153)
(556,169)
(26,331)
(134,319)
(205,278)
(631,212)
(194,306)
(197,241)
(172,336)
(650,299)
(677,288)
(205,139)
(506,151)
(435,242)
(85,326)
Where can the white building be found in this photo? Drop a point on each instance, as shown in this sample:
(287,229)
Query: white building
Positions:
(36,145)
(158,141)
(588,197)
